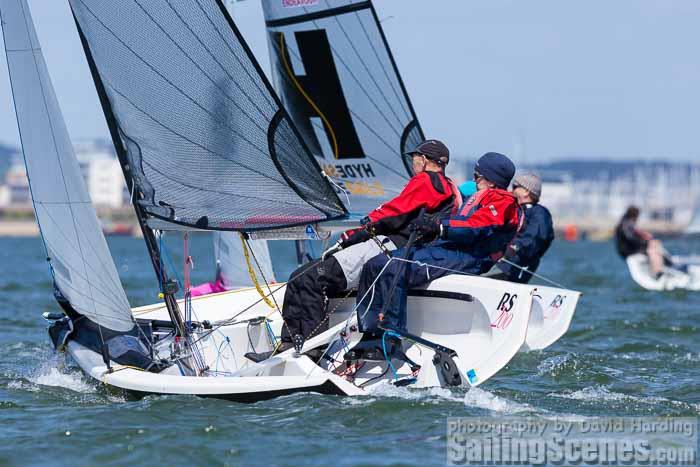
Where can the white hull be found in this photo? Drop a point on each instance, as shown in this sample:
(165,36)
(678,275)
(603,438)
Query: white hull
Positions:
(671,279)
(483,320)
(550,318)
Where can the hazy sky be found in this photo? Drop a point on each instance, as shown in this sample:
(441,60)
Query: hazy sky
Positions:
(535,79)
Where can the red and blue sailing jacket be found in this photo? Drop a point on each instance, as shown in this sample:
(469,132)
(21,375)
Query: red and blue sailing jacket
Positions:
(431,191)
(485,224)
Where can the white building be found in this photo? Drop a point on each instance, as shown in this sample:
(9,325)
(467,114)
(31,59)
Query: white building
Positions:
(105,182)
(100,169)
(18,185)
(4,196)
(102,173)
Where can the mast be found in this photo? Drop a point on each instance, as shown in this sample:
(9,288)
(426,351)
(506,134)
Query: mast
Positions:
(168,286)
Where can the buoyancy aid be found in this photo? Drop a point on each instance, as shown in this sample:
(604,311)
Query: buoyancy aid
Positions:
(484,224)
(431,191)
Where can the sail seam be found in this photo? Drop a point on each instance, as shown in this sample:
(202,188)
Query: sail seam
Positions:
(65,262)
(184,94)
(262,113)
(60,165)
(367,70)
(307,97)
(366,125)
(384,70)
(318,15)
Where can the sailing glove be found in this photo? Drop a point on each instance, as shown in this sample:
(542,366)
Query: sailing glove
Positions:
(426,229)
(353,237)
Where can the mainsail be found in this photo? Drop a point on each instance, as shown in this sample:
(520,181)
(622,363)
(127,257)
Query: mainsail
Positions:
(694,225)
(207,142)
(83,270)
(337,78)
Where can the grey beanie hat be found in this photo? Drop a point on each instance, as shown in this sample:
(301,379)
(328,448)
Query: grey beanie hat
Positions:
(531,182)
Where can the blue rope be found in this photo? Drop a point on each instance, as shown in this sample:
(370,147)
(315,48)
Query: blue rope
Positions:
(271,334)
(386,356)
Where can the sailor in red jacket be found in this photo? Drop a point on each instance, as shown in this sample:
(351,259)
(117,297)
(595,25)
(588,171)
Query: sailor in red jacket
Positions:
(468,242)
(384,229)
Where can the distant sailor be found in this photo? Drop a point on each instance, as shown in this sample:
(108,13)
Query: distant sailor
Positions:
(384,229)
(534,237)
(469,241)
(629,240)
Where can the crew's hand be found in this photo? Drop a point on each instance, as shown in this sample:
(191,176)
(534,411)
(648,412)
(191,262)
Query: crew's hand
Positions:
(427,229)
(353,237)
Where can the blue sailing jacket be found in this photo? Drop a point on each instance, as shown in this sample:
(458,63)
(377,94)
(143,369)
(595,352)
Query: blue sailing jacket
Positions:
(531,243)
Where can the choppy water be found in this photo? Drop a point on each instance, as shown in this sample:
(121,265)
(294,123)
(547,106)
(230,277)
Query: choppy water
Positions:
(628,352)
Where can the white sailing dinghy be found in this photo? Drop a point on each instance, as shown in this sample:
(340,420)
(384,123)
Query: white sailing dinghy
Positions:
(205,144)
(684,273)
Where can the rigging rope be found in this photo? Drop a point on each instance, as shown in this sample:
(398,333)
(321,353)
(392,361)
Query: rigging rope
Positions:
(253,276)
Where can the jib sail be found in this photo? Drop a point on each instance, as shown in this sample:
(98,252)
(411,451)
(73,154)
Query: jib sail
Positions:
(207,141)
(82,267)
(232,267)
(335,74)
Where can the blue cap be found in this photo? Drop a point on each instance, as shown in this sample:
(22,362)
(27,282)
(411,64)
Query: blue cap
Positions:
(468,188)
(496,168)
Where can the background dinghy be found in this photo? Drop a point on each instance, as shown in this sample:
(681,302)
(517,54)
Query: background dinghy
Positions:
(687,278)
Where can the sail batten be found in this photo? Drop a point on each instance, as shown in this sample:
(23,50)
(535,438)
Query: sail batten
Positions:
(336,76)
(80,262)
(207,142)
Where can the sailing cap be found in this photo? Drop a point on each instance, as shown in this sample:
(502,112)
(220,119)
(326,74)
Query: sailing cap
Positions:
(496,168)
(531,182)
(433,149)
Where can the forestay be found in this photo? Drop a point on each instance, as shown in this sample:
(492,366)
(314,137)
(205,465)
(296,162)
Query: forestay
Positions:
(207,140)
(82,267)
(337,78)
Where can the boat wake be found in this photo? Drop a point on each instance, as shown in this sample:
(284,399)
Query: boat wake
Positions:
(483,399)
(53,372)
(558,364)
(602,393)
(68,379)
(435,395)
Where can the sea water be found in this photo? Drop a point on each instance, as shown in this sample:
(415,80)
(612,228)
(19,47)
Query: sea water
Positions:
(628,352)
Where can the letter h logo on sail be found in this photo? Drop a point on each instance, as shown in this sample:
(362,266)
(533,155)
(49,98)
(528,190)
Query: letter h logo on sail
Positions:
(316,96)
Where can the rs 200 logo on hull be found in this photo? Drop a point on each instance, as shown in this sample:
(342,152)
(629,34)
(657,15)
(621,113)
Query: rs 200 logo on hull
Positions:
(505,306)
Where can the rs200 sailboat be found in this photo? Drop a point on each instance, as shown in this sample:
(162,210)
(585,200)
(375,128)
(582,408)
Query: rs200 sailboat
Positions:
(206,144)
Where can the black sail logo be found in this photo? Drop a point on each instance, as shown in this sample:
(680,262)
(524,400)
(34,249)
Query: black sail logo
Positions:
(317,95)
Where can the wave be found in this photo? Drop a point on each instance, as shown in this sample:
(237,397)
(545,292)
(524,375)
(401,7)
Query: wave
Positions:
(604,394)
(483,399)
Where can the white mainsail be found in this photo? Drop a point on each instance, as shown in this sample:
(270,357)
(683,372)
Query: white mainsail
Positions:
(81,264)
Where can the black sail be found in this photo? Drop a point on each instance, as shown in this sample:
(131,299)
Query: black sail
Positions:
(207,141)
(336,76)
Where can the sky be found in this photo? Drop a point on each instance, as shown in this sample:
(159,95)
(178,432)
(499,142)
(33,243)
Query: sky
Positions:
(538,80)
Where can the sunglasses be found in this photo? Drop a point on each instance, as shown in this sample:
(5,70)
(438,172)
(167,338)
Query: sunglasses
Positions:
(477,176)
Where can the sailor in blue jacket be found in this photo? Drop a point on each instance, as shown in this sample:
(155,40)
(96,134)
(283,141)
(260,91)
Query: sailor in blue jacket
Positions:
(470,241)
(535,236)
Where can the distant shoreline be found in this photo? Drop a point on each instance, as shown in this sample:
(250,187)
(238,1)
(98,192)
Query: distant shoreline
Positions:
(589,230)
(19,229)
